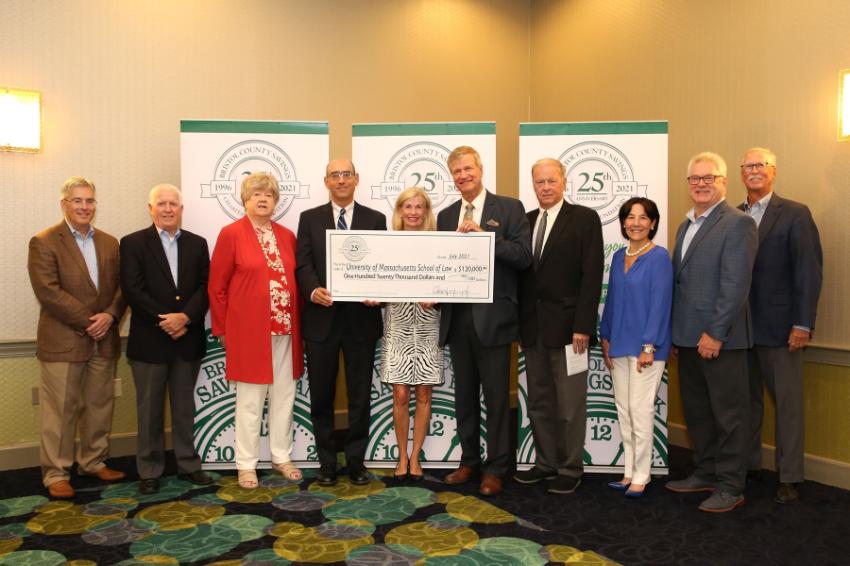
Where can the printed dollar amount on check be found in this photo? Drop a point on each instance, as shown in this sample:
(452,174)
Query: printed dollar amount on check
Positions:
(394,267)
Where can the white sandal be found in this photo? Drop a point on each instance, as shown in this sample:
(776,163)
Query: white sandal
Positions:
(247,479)
(288,471)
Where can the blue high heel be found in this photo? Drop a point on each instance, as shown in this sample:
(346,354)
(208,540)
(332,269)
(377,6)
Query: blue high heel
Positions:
(619,486)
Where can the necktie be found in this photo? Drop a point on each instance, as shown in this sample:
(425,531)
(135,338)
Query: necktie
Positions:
(538,241)
(468,214)
(341,224)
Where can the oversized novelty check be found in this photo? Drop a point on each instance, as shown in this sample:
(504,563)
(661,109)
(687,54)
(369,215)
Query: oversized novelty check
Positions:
(393,267)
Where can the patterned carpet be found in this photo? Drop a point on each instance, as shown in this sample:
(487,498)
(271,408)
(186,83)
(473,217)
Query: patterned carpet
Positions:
(281,522)
(426,523)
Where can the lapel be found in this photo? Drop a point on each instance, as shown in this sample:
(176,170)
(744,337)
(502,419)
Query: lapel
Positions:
(358,223)
(328,217)
(771,215)
(561,222)
(706,227)
(451,212)
(71,247)
(153,243)
(488,211)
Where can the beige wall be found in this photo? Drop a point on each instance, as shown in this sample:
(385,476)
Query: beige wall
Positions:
(118,76)
(728,75)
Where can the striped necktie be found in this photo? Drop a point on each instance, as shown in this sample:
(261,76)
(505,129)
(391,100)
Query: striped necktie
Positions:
(341,224)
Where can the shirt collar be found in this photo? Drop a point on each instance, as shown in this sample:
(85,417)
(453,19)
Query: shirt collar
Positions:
(348,208)
(164,233)
(477,202)
(76,232)
(760,204)
(705,214)
(552,212)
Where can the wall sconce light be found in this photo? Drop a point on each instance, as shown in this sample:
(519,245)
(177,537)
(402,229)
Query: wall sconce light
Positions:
(844,105)
(20,120)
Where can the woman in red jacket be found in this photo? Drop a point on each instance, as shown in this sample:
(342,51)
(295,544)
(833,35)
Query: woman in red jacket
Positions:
(254,306)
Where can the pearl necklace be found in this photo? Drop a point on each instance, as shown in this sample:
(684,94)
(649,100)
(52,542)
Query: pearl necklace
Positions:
(639,250)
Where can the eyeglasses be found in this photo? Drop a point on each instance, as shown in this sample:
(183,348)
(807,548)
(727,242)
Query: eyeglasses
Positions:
(340,174)
(750,167)
(80,201)
(707,179)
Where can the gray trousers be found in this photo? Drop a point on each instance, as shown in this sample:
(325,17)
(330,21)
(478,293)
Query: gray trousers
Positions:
(782,372)
(151,382)
(557,407)
(716,399)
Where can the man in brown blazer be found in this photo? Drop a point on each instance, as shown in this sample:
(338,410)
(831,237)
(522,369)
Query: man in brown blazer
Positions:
(73,269)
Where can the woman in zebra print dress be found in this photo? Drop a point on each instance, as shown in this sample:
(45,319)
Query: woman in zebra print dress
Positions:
(411,356)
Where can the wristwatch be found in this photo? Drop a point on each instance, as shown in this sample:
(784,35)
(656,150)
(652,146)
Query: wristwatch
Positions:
(648,349)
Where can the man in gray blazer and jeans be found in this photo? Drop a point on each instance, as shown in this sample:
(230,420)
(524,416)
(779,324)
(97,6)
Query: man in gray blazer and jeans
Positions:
(784,299)
(712,268)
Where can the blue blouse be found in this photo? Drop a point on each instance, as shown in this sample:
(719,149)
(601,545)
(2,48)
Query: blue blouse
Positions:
(638,304)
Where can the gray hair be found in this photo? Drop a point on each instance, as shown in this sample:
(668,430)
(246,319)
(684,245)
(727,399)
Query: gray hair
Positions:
(769,156)
(718,161)
(73,182)
(164,187)
(549,161)
(259,182)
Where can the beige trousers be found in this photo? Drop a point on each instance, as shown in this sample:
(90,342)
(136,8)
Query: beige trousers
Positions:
(250,400)
(75,396)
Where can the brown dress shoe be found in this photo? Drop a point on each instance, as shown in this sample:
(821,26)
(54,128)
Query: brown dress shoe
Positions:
(461,475)
(61,490)
(490,485)
(106,474)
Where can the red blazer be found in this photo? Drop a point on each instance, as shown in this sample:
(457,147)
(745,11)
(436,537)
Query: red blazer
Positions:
(240,303)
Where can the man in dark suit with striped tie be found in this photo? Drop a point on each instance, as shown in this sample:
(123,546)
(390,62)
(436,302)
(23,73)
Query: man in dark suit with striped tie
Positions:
(329,327)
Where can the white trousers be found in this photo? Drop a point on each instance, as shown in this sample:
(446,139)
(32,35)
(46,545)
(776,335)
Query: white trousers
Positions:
(634,395)
(250,399)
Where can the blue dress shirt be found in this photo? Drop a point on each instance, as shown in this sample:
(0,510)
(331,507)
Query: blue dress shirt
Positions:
(638,304)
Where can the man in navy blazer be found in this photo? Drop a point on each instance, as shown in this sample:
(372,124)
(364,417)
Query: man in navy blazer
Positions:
(480,335)
(164,272)
(329,327)
(559,303)
(712,267)
(784,297)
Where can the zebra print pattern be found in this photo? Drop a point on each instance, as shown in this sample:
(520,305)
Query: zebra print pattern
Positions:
(410,353)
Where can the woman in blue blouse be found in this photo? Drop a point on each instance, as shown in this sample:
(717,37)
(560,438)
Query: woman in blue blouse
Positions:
(635,332)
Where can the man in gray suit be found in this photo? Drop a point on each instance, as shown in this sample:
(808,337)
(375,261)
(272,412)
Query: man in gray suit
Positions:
(784,298)
(712,268)
(480,335)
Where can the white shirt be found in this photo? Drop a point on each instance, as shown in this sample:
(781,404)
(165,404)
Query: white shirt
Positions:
(551,215)
(478,203)
(349,213)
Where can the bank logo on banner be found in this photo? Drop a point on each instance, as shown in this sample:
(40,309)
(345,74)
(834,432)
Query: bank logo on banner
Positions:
(442,444)
(243,159)
(600,176)
(419,164)
(215,417)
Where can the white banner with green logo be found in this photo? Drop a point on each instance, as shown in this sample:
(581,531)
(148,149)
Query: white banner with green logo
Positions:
(214,157)
(607,163)
(389,159)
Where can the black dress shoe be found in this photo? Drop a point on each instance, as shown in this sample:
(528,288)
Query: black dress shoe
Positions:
(198,477)
(326,476)
(358,475)
(149,486)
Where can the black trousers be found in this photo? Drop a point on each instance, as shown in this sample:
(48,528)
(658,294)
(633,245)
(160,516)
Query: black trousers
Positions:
(322,368)
(478,367)
(716,399)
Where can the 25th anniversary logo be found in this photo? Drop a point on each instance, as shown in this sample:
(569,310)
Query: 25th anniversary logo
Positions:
(253,156)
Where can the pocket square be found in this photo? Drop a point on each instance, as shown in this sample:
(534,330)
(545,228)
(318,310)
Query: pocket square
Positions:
(493,223)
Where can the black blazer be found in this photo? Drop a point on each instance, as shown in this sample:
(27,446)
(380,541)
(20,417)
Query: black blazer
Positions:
(561,296)
(317,320)
(150,291)
(788,272)
(495,323)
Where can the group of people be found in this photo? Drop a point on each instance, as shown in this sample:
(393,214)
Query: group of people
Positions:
(266,292)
